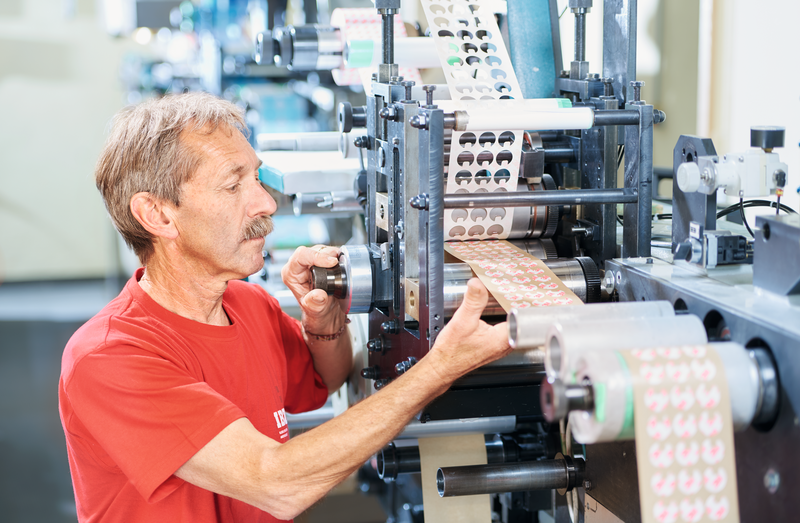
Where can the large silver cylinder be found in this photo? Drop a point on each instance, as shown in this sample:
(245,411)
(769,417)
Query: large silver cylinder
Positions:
(456,276)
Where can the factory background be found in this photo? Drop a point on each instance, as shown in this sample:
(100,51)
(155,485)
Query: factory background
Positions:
(716,67)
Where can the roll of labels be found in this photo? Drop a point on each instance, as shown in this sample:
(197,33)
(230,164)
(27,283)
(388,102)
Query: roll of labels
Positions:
(681,398)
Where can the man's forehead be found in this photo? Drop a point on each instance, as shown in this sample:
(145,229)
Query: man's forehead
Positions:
(226,149)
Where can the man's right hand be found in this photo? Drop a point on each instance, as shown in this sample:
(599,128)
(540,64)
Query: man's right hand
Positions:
(467,342)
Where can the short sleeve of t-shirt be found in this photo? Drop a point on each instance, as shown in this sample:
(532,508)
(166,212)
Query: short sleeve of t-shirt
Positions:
(147,414)
(306,390)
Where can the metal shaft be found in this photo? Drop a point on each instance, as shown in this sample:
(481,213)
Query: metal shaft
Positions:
(388,37)
(393,460)
(524,199)
(562,474)
(580,37)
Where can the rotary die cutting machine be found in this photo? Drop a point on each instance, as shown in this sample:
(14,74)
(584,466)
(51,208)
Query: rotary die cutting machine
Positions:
(403,281)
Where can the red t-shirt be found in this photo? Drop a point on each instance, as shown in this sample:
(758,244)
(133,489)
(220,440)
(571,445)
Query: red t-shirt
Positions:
(143,389)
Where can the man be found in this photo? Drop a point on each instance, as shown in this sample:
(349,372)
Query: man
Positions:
(172,398)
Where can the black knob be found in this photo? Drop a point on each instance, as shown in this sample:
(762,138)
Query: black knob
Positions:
(345,117)
(767,136)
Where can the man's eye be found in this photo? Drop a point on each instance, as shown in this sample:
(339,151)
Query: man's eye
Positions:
(234,187)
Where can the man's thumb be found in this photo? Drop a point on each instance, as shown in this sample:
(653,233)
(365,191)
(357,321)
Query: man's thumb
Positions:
(475,300)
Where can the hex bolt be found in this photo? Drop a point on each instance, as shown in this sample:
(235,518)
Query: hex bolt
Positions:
(388,113)
(637,90)
(374,345)
(361,141)
(772,480)
(395,80)
(419,121)
(419,202)
(369,373)
(408,84)
(429,89)
(390,327)
(608,87)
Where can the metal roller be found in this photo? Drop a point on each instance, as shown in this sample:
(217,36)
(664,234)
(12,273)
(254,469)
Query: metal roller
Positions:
(310,47)
(752,377)
(352,279)
(393,460)
(567,340)
(538,221)
(527,328)
(578,274)
(562,474)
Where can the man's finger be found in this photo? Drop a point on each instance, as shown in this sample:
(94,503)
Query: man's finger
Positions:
(316,300)
(475,300)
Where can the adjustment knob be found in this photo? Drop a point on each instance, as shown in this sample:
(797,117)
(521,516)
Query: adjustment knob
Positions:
(767,136)
(688,177)
(345,117)
(263,53)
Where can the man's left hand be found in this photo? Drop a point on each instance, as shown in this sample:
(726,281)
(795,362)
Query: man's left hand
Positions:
(321,313)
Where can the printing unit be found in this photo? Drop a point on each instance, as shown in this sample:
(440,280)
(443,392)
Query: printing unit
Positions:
(559,444)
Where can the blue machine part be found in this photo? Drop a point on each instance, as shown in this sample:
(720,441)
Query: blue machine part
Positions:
(531,46)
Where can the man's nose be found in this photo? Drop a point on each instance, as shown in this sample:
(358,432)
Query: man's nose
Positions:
(262,202)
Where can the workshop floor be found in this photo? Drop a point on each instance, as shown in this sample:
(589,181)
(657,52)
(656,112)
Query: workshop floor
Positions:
(36,320)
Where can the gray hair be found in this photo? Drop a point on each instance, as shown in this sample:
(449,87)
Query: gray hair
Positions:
(145,153)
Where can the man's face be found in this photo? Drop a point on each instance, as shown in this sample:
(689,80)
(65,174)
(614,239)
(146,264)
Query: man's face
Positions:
(224,211)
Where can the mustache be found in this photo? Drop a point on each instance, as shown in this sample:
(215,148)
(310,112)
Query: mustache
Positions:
(258,228)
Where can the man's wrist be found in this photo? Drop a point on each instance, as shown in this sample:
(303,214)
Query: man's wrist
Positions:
(328,337)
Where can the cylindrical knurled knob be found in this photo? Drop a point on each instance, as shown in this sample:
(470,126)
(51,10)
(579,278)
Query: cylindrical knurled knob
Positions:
(333,280)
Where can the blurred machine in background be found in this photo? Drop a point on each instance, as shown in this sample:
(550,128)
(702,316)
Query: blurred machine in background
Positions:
(673,272)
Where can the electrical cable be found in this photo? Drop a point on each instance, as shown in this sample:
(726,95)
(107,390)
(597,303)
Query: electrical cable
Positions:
(735,208)
(744,218)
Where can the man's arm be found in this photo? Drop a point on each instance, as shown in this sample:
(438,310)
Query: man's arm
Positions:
(286,479)
(322,315)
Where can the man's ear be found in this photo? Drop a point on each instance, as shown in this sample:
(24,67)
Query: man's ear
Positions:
(155,215)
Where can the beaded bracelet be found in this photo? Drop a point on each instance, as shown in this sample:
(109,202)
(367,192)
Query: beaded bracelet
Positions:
(330,337)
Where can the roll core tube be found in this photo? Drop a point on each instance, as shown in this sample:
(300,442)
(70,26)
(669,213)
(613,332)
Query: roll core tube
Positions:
(563,473)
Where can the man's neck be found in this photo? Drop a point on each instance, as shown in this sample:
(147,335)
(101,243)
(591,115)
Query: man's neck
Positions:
(185,292)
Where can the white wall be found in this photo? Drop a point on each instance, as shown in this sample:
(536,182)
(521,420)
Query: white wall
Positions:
(755,77)
(59,88)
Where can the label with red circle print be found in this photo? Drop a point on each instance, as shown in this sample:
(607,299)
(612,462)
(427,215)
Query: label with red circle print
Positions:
(513,276)
(684,434)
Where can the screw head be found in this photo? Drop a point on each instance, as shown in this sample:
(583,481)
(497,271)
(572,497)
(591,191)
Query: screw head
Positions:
(637,83)
(772,480)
